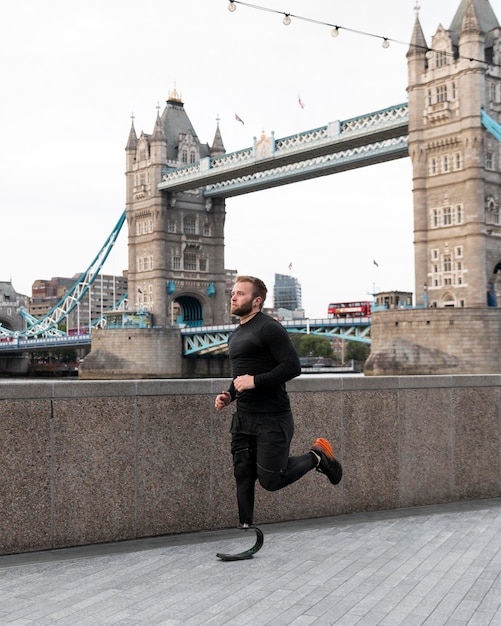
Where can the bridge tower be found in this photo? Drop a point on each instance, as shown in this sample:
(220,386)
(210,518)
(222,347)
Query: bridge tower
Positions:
(175,240)
(457,205)
(456,162)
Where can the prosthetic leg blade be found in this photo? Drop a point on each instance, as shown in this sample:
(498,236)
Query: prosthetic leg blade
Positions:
(247,554)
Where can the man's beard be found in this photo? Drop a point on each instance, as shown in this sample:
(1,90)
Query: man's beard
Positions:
(243,309)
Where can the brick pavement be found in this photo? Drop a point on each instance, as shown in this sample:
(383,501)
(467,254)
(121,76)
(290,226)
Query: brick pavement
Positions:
(436,565)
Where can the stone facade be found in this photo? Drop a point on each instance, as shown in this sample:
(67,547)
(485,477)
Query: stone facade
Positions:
(97,461)
(456,162)
(435,341)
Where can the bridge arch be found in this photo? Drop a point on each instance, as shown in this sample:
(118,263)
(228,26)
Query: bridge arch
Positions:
(448,300)
(494,286)
(187,309)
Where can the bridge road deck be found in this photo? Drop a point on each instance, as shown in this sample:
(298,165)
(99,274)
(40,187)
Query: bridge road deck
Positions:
(434,565)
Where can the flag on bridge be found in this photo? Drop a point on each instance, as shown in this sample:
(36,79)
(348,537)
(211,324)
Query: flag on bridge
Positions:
(376,264)
(239,119)
(300,102)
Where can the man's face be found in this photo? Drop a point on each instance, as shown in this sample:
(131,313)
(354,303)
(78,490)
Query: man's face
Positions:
(242,299)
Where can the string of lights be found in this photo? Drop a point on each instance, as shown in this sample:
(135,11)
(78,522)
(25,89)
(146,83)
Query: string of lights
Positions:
(336,28)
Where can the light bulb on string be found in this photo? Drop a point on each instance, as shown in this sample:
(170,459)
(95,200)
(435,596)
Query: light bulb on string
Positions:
(385,41)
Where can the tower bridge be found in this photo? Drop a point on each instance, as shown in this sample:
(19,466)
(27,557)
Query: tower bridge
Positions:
(177,187)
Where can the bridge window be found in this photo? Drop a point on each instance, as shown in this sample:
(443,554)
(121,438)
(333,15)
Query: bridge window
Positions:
(454,91)
(193,157)
(430,98)
(435,219)
(190,225)
(459,214)
(445,163)
(184,157)
(447,216)
(492,89)
(176,263)
(447,263)
(203,264)
(492,214)
(433,167)
(489,160)
(458,161)
(441,93)
(206,229)
(171,225)
(144,226)
(190,262)
(440,58)
(459,251)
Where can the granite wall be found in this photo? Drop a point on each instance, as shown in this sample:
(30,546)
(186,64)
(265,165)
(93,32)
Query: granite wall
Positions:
(95,461)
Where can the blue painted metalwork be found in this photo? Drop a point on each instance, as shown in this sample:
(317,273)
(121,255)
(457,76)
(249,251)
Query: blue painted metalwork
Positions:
(491,125)
(214,339)
(205,340)
(47,326)
(339,146)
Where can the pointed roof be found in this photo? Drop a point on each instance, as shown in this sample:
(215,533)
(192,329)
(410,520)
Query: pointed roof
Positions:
(132,140)
(486,17)
(175,121)
(217,148)
(158,133)
(418,41)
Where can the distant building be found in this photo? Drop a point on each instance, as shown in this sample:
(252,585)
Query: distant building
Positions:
(394,299)
(103,294)
(286,293)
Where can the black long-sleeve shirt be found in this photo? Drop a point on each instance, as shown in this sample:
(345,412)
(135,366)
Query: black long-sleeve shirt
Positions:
(262,348)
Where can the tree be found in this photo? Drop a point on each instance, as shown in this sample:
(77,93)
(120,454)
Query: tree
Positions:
(312,345)
(357,351)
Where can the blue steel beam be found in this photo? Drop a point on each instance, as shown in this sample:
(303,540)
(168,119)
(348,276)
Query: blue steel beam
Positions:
(214,339)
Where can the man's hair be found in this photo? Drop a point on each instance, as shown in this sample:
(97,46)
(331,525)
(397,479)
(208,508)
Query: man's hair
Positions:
(259,288)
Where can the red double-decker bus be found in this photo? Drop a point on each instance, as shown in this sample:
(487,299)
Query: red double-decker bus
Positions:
(349,309)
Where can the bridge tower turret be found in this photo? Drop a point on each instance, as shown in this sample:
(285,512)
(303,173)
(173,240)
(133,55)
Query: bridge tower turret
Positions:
(456,162)
(175,240)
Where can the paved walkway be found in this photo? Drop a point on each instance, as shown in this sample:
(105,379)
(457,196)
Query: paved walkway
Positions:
(434,565)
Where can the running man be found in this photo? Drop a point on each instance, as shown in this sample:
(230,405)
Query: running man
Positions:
(263,359)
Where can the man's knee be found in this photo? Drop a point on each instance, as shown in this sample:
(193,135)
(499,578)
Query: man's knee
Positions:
(244,465)
(271,481)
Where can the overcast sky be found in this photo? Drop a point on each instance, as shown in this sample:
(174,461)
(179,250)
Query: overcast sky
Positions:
(73,73)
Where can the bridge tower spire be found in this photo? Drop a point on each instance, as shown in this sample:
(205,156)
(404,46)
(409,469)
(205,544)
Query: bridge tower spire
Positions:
(456,162)
(176,240)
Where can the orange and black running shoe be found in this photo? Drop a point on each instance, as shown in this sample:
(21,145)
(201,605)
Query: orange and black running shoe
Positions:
(328,465)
